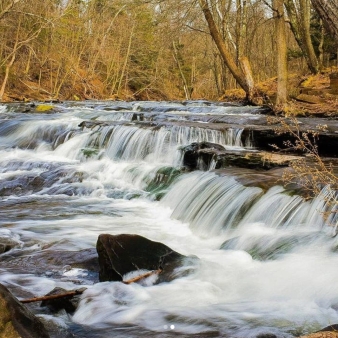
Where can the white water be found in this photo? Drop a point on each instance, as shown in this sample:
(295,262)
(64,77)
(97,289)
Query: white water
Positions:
(266,259)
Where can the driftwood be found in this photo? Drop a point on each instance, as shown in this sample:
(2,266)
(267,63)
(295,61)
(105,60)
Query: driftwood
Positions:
(51,297)
(80,291)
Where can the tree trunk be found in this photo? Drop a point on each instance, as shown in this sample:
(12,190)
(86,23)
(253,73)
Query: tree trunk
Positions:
(278,6)
(328,12)
(8,68)
(305,15)
(186,88)
(225,53)
(299,19)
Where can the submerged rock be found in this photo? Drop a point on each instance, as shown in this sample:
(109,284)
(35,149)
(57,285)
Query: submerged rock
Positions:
(121,254)
(16,320)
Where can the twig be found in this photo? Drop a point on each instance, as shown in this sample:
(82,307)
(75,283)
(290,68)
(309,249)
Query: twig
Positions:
(145,275)
(52,297)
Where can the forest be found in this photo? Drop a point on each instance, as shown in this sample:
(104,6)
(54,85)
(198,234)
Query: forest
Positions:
(163,50)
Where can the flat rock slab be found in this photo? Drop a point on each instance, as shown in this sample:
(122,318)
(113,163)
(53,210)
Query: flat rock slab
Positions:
(122,254)
(16,320)
(201,155)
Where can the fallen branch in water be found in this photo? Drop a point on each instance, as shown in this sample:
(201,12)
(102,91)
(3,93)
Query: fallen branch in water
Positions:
(51,297)
(145,275)
(80,291)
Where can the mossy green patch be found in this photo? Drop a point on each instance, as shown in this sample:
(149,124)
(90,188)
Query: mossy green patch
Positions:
(44,107)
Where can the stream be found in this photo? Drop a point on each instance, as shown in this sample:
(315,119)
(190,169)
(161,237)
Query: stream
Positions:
(267,260)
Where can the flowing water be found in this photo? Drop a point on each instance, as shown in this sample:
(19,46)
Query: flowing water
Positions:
(267,260)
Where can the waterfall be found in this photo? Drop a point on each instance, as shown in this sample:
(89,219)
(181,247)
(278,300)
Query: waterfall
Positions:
(264,259)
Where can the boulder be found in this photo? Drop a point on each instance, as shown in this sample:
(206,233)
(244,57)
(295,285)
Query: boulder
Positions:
(121,254)
(16,320)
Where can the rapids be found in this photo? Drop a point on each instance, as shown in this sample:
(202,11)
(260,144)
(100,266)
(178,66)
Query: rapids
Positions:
(267,260)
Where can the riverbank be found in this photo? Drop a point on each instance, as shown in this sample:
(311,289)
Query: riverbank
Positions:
(310,95)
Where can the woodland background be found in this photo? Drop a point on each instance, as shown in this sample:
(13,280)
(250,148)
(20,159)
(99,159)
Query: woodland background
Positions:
(162,49)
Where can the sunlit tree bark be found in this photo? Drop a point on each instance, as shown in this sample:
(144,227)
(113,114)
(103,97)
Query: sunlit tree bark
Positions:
(244,81)
(278,8)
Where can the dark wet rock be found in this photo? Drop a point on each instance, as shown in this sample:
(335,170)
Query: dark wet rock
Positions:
(199,154)
(253,160)
(121,254)
(16,320)
(265,137)
(138,117)
(333,327)
(91,124)
(266,335)
(68,303)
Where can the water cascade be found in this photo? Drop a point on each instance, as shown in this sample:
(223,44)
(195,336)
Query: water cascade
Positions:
(266,258)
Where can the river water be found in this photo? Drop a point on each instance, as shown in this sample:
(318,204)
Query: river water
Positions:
(267,260)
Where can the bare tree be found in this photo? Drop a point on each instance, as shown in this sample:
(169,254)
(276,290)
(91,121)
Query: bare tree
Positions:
(278,8)
(328,12)
(243,76)
(299,14)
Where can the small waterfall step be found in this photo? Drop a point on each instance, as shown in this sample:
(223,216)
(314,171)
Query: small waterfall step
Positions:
(255,131)
(209,156)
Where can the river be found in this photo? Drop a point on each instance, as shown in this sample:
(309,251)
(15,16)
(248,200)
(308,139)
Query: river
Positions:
(267,260)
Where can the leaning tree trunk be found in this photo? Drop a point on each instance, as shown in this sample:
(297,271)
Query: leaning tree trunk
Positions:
(299,20)
(305,18)
(328,12)
(241,76)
